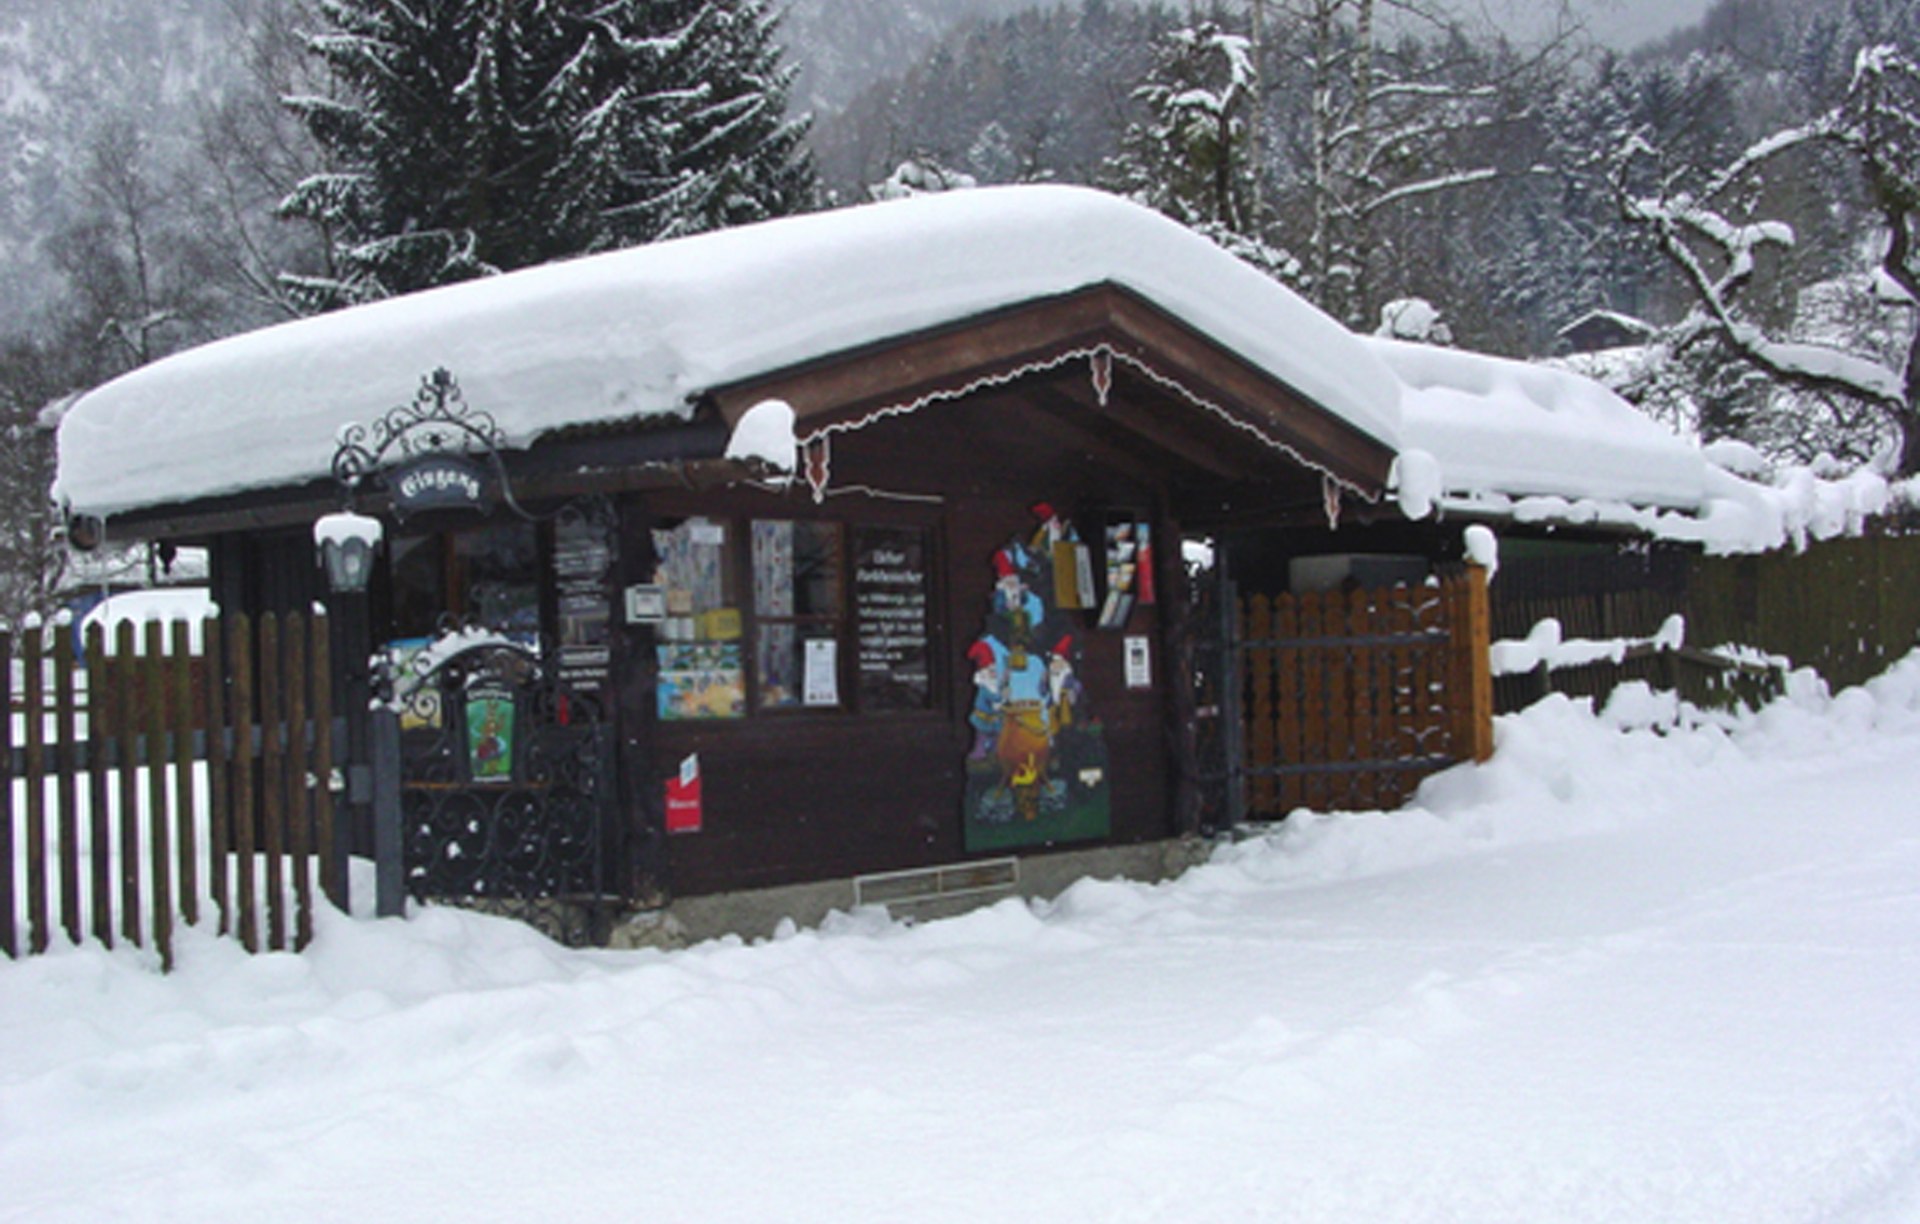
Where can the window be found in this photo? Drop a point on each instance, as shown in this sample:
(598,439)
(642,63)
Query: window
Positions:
(488,576)
(836,618)
(700,672)
(797,575)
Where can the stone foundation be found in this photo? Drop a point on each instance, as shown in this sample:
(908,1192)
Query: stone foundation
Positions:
(755,914)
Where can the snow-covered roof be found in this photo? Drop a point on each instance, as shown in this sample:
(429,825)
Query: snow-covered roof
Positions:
(1517,429)
(640,333)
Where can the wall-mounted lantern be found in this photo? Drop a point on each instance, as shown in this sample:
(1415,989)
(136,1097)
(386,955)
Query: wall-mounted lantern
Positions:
(347,542)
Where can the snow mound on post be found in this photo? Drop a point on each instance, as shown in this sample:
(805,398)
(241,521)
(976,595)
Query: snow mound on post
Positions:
(641,333)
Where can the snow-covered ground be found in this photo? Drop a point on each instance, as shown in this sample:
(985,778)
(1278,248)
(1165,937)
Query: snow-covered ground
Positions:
(1642,975)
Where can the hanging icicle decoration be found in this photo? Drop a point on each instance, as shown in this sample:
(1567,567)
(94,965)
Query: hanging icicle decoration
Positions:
(1330,501)
(817,462)
(1098,355)
(1101,367)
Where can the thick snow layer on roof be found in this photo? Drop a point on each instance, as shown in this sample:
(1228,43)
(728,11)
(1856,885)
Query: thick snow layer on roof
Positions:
(636,333)
(1508,427)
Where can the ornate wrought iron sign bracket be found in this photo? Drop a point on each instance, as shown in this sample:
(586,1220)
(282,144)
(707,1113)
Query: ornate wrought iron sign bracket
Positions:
(432,454)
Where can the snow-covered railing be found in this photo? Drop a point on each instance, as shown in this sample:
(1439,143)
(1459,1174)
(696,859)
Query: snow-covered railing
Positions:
(1544,651)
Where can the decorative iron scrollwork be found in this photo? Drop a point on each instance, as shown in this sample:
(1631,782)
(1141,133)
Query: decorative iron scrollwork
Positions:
(522,821)
(437,442)
(437,422)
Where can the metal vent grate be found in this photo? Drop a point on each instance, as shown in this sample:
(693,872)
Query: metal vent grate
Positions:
(929,883)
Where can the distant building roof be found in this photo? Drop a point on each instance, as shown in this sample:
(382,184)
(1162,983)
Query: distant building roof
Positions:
(1603,329)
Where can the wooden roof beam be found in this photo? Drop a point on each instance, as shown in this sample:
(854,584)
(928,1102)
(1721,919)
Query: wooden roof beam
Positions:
(847,386)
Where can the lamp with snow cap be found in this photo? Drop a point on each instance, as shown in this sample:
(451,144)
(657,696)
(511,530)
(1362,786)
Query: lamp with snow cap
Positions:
(347,542)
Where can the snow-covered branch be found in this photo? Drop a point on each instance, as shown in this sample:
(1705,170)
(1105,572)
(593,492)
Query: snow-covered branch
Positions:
(1443,182)
(1713,236)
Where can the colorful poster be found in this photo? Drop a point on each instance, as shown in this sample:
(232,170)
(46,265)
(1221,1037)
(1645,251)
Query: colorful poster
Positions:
(419,700)
(701,680)
(490,733)
(1037,773)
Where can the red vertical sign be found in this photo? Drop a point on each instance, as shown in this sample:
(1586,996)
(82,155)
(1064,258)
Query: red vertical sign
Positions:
(683,798)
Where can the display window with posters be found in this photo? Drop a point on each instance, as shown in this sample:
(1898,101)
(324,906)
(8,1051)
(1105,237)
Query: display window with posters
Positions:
(781,617)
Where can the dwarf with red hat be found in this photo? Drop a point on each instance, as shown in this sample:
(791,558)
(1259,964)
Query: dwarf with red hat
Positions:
(987,698)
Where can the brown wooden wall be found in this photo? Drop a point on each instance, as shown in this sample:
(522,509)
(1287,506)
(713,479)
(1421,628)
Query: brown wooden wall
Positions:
(820,796)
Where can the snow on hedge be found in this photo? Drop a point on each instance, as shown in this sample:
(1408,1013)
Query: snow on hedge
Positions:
(1486,437)
(1513,428)
(639,333)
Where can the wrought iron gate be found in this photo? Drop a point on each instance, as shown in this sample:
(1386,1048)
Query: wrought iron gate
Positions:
(506,775)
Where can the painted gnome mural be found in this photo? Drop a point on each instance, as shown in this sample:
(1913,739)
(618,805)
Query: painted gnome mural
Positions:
(1037,771)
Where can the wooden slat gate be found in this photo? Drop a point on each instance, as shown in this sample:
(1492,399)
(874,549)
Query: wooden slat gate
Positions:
(156,784)
(1345,699)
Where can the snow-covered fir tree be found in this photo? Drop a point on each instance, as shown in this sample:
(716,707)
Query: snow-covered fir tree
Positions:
(474,136)
(736,156)
(1191,157)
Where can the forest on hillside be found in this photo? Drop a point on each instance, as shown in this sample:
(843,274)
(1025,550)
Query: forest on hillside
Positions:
(1739,202)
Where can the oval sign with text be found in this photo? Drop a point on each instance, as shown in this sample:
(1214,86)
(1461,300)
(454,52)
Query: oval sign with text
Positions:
(440,482)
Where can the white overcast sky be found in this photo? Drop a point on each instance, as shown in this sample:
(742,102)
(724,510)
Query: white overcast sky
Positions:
(1618,23)
(1627,23)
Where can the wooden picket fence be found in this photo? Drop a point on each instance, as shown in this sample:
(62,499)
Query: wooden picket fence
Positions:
(1351,697)
(1849,608)
(157,782)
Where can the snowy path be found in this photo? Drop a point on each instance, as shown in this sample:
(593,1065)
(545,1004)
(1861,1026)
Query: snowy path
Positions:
(1611,978)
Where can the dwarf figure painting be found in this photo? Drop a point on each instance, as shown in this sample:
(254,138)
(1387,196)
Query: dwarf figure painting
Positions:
(1037,770)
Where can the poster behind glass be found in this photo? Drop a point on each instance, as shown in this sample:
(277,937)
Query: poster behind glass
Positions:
(890,607)
(701,675)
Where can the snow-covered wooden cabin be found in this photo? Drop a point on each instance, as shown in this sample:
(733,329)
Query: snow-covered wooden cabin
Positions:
(857,535)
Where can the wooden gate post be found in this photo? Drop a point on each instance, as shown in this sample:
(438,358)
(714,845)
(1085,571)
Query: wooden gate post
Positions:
(389,845)
(1479,629)
(1232,729)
